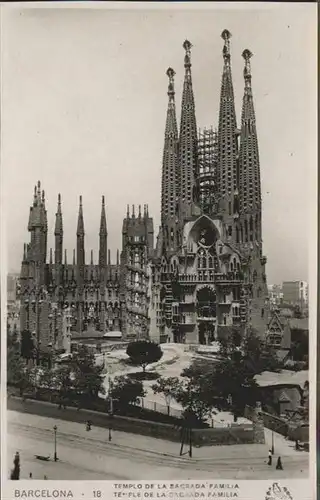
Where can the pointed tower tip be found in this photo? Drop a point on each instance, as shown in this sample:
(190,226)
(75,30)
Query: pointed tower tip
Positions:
(170,73)
(226,35)
(187,58)
(59,199)
(187,45)
(247,54)
(80,201)
(103,200)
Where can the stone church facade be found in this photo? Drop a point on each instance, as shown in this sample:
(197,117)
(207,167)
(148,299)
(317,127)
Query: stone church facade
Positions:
(204,277)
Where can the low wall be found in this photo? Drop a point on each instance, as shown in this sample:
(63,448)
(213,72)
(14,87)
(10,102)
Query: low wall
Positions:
(201,437)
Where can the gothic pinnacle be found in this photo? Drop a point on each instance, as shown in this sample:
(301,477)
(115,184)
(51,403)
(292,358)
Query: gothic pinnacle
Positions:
(39,191)
(58,225)
(247,54)
(187,58)
(171,73)
(226,35)
(103,221)
(80,228)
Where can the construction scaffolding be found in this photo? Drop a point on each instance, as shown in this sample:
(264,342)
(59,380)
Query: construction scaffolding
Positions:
(207,158)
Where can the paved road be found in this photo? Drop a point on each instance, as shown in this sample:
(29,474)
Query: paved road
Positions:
(89,455)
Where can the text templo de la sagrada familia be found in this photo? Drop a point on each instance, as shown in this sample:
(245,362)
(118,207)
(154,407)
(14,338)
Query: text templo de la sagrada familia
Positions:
(204,277)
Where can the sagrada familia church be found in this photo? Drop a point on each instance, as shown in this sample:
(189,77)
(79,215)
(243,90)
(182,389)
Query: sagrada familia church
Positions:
(202,278)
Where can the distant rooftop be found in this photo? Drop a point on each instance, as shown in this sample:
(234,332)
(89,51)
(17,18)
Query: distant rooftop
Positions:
(283,378)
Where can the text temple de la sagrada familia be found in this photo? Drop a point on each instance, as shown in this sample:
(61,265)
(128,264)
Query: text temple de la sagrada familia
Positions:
(206,273)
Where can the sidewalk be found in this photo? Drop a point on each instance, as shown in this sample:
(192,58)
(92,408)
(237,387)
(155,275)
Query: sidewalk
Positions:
(144,443)
(282,446)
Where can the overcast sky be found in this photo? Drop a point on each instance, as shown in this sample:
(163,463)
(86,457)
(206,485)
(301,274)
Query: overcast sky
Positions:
(84,107)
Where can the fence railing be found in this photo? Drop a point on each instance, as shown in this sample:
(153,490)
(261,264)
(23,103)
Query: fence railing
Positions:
(158,407)
(175,412)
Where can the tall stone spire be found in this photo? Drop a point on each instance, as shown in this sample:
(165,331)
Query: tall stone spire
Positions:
(170,154)
(249,166)
(38,228)
(170,167)
(58,234)
(227,171)
(188,147)
(103,235)
(80,244)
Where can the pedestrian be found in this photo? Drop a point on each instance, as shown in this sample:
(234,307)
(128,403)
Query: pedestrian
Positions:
(30,475)
(89,424)
(45,477)
(279,464)
(297,444)
(270,457)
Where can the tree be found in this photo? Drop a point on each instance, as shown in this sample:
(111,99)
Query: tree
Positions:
(61,381)
(46,380)
(27,345)
(88,377)
(258,354)
(300,344)
(230,343)
(144,352)
(233,384)
(18,374)
(126,391)
(15,473)
(228,384)
(169,387)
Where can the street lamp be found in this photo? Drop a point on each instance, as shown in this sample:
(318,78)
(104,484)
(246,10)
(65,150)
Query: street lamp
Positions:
(110,409)
(55,428)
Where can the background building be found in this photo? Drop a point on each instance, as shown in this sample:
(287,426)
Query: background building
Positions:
(295,293)
(275,295)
